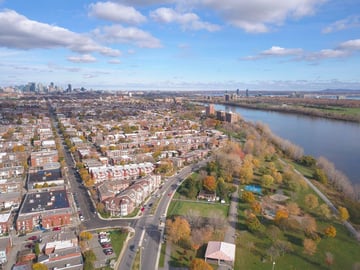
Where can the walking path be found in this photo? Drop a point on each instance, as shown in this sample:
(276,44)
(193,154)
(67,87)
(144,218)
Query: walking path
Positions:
(347,224)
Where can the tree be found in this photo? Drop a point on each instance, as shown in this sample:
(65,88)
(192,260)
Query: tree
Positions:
(253,223)
(325,211)
(343,213)
(209,183)
(293,208)
(256,207)
(320,176)
(311,201)
(178,229)
(246,172)
(39,266)
(199,264)
(273,232)
(248,196)
(84,235)
(281,215)
(267,180)
(309,224)
(310,246)
(330,231)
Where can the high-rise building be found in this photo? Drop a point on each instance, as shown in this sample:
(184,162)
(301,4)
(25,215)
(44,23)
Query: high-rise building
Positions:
(210,110)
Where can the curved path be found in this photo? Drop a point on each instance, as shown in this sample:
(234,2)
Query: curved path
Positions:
(347,224)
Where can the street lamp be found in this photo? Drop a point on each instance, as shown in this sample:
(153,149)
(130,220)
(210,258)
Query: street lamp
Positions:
(273,267)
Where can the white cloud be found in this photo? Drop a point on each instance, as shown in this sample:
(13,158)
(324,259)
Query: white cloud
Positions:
(349,22)
(326,54)
(116,13)
(114,61)
(275,51)
(352,45)
(279,51)
(258,16)
(85,58)
(133,35)
(186,20)
(19,32)
(345,49)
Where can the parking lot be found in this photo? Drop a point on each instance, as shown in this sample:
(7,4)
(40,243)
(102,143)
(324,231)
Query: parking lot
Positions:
(101,257)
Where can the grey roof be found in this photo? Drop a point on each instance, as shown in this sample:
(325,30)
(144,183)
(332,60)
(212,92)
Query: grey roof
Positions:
(45,201)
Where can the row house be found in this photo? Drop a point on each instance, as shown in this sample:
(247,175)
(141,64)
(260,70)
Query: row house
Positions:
(66,258)
(11,172)
(39,159)
(125,203)
(127,172)
(14,160)
(110,189)
(45,133)
(10,200)
(5,222)
(11,185)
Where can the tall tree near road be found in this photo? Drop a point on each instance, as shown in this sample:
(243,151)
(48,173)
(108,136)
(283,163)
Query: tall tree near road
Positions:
(178,229)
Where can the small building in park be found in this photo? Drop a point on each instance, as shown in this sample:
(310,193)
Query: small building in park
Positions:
(222,252)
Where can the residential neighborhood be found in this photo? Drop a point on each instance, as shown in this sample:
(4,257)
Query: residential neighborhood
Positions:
(122,150)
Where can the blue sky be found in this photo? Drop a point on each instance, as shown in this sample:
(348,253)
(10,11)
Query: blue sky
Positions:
(181,44)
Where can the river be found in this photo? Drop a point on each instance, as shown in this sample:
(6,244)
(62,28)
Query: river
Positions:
(338,141)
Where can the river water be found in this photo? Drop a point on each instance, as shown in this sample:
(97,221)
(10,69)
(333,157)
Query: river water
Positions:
(338,141)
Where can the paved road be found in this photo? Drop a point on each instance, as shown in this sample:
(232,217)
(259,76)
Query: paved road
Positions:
(148,232)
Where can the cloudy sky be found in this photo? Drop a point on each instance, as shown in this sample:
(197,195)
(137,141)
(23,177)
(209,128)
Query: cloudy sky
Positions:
(181,44)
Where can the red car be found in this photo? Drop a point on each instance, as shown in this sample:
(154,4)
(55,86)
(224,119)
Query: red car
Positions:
(106,245)
(56,229)
(32,238)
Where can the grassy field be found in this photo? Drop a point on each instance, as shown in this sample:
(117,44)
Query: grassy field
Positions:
(181,208)
(344,249)
(117,240)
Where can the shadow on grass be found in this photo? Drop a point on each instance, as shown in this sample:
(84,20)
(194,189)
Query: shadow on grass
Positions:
(296,240)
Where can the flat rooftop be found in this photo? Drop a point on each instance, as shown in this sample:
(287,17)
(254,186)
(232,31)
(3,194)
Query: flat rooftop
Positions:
(45,201)
(45,175)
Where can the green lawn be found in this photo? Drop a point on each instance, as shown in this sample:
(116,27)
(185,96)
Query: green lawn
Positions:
(344,249)
(206,209)
(118,238)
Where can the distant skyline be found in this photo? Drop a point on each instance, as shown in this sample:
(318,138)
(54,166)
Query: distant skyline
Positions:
(294,45)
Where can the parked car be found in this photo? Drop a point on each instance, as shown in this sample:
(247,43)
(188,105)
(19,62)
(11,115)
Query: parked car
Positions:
(55,229)
(108,251)
(32,238)
(106,245)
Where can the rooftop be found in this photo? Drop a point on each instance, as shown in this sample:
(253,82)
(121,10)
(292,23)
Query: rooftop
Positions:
(44,201)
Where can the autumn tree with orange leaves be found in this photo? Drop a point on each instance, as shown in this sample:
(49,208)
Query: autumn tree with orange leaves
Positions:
(209,183)
(178,229)
(199,264)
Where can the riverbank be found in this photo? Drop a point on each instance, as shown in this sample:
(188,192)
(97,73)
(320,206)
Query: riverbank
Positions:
(343,110)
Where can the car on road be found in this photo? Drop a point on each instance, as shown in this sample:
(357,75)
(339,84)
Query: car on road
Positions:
(56,229)
(32,238)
